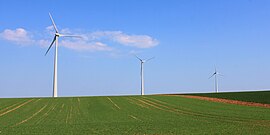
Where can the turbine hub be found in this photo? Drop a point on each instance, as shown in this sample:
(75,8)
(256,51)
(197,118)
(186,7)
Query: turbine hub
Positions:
(57,34)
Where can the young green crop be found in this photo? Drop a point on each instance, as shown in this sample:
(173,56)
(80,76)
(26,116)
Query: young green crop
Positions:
(129,115)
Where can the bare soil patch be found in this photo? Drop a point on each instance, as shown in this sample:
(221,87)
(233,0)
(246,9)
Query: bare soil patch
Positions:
(228,101)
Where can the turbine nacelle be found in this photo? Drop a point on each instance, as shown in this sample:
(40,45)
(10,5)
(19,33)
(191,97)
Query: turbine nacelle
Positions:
(57,34)
(215,73)
(143,60)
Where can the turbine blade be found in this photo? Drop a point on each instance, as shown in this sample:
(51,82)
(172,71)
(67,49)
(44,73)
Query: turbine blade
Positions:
(138,57)
(77,36)
(211,76)
(220,74)
(50,45)
(55,28)
(149,59)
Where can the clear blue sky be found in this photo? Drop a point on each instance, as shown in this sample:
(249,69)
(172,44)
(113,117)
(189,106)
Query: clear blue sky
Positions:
(187,37)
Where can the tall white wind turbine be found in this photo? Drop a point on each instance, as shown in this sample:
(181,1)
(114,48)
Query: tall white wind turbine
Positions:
(55,40)
(216,74)
(142,75)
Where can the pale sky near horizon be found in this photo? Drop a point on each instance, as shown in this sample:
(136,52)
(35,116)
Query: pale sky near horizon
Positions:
(188,38)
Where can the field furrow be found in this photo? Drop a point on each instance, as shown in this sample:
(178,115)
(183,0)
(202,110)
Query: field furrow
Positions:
(15,108)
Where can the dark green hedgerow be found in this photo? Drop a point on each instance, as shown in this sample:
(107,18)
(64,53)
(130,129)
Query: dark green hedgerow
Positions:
(255,96)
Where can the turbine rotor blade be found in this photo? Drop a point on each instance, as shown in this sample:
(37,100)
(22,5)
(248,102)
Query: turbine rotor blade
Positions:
(76,36)
(138,58)
(211,76)
(50,45)
(55,28)
(220,74)
(149,59)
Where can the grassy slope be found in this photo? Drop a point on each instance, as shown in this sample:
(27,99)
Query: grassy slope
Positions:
(129,115)
(258,96)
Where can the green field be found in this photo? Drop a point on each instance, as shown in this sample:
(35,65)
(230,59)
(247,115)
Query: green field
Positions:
(158,114)
(254,96)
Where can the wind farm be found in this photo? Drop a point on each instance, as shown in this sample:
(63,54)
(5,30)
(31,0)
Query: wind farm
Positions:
(135,67)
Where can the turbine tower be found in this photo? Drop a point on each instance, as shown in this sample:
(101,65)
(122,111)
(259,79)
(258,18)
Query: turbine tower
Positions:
(55,40)
(216,79)
(142,75)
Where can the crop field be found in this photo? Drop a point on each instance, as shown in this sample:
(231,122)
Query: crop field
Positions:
(155,114)
(257,97)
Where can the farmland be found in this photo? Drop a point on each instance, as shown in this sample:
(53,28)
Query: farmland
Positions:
(155,114)
(257,97)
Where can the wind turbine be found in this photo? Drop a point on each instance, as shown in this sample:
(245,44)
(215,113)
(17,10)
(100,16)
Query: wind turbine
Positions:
(55,40)
(142,77)
(216,79)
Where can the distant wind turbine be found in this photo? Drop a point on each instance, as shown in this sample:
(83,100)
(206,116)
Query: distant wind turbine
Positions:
(142,75)
(216,79)
(55,39)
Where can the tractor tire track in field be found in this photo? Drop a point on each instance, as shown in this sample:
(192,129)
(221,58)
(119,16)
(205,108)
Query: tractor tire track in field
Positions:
(37,100)
(79,106)
(266,122)
(79,101)
(113,103)
(46,114)
(192,113)
(135,118)
(69,112)
(168,109)
(11,106)
(127,113)
(62,107)
(36,113)
(30,117)
(132,101)
(67,117)
(198,114)
(15,108)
